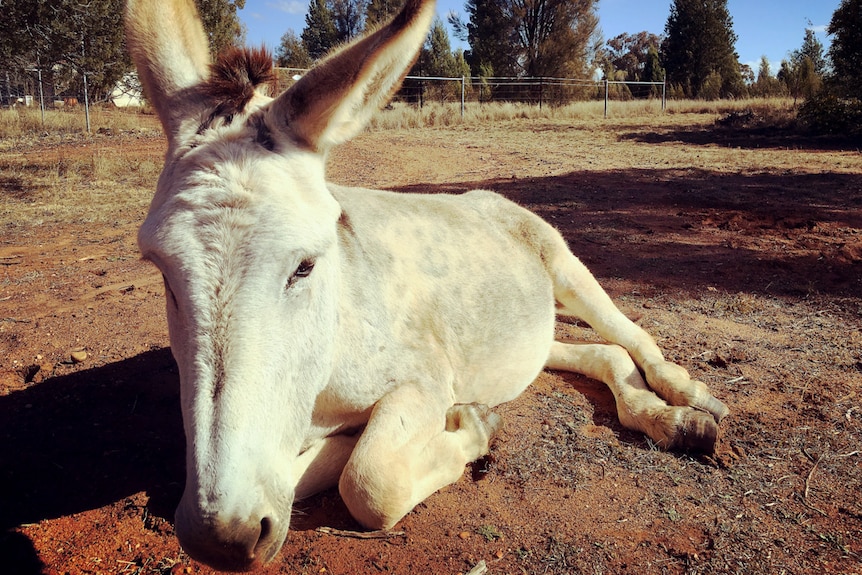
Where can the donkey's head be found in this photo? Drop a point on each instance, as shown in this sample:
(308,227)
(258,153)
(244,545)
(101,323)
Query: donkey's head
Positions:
(243,229)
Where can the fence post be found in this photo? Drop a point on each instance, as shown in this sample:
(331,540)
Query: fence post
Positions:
(664,93)
(86,103)
(606,97)
(41,97)
(462,96)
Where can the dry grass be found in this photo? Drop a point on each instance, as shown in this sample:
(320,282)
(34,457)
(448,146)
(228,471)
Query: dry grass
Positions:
(41,182)
(404,116)
(16,123)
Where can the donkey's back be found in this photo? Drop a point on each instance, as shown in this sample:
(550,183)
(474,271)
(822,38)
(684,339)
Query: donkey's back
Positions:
(453,288)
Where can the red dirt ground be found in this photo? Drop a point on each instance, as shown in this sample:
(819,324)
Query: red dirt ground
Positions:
(741,251)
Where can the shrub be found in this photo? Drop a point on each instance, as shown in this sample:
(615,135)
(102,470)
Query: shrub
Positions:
(829,114)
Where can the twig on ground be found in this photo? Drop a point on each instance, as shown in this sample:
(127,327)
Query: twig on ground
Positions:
(808,483)
(361,534)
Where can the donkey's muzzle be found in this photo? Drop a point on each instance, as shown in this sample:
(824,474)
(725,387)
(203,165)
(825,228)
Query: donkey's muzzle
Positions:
(232,544)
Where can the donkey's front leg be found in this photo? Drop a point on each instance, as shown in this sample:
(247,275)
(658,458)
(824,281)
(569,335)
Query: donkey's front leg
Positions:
(415,443)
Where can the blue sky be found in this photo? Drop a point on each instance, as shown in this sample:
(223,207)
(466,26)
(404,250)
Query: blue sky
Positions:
(764,27)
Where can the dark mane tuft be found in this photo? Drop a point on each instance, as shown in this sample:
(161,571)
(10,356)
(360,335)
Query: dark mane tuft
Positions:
(234,77)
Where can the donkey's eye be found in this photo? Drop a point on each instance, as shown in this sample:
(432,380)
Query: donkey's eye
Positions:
(303,271)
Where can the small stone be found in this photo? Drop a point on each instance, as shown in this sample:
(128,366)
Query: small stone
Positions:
(78,356)
(464,535)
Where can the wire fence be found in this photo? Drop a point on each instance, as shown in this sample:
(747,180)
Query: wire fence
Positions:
(545,91)
(31,87)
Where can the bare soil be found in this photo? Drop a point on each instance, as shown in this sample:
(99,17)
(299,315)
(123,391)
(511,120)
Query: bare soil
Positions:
(741,251)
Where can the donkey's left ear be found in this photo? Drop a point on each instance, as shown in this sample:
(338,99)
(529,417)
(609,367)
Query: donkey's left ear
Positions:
(337,98)
(169,47)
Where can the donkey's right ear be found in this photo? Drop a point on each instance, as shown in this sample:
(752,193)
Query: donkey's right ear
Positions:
(169,47)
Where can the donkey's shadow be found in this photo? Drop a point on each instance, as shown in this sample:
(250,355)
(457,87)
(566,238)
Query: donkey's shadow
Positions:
(91,438)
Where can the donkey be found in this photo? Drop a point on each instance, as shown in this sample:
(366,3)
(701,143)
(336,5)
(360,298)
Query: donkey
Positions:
(339,336)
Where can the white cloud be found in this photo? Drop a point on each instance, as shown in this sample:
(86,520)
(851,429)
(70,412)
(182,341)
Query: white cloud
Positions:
(820,29)
(289,6)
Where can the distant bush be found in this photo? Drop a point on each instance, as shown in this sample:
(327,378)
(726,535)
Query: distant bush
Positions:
(829,114)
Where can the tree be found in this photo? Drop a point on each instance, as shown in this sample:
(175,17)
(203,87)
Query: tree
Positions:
(348,17)
(379,11)
(653,71)
(699,46)
(530,37)
(437,59)
(319,35)
(802,74)
(812,48)
(291,52)
(221,22)
(799,77)
(630,53)
(553,36)
(489,32)
(846,49)
(66,38)
(766,85)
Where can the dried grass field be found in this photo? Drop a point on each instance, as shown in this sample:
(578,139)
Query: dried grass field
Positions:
(738,248)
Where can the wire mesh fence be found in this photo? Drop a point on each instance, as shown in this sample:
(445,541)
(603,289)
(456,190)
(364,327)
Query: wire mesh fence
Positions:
(419,90)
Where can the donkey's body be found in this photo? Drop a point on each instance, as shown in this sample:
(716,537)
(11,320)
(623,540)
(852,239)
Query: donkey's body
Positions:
(328,335)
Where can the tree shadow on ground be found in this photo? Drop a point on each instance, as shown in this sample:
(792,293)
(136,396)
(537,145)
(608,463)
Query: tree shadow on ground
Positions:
(688,229)
(77,442)
(746,137)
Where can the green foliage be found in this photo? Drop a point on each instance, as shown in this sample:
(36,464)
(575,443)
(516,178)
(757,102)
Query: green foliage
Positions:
(529,37)
(349,18)
(221,22)
(812,48)
(380,11)
(65,38)
(632,54)
(490,32)
(828,114)
(799,77)
(291,52)
(766,85)
(699,43)
(552,37)
(846,48)
(437,59)
(319,35)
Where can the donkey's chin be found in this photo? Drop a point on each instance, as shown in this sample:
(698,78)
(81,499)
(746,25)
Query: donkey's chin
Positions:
(231,545)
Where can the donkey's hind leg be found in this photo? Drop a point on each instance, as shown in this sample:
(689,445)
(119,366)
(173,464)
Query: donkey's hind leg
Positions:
(638,407)
(677,419)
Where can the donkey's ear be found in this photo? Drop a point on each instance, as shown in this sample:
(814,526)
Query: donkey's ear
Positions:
(337,98)
(169,47)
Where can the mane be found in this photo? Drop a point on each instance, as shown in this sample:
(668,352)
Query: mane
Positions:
(234,77)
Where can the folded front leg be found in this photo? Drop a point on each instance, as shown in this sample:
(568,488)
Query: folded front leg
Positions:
(415,443)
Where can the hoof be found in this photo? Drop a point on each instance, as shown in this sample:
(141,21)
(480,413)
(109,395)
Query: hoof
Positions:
(718,410)
(465,414)
(697,434)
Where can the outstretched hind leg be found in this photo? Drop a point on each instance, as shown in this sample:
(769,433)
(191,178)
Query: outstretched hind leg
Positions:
(638,407)
(579,295)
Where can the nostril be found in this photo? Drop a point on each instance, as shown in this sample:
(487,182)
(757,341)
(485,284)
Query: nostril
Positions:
(268,542)
(265,529)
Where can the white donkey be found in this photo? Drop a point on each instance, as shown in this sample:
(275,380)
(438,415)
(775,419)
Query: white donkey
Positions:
(328,335)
